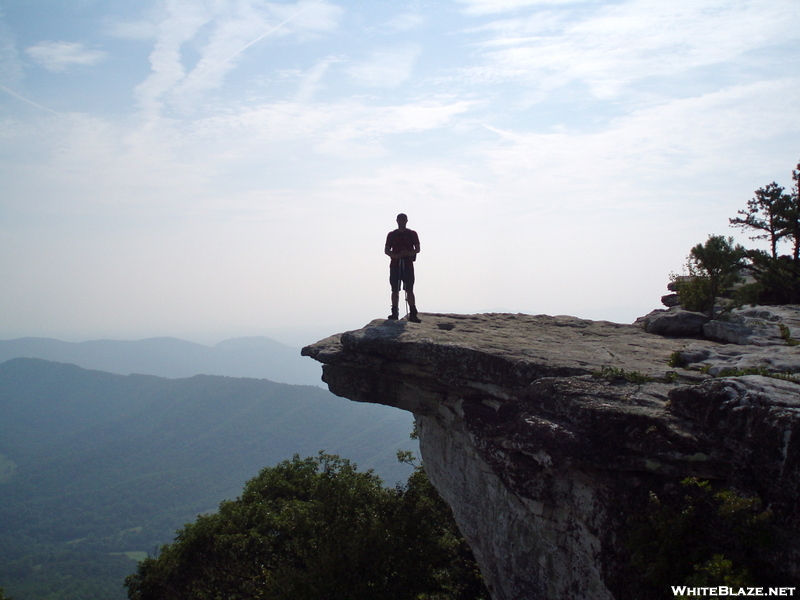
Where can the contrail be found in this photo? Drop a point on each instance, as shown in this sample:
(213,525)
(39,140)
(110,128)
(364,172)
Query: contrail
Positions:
(24,99)
(255,41)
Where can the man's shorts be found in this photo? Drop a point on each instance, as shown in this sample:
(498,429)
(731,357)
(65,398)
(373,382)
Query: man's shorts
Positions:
(402,270)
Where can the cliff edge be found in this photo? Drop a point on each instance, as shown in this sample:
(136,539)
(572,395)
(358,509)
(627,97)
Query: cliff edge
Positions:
(547,434)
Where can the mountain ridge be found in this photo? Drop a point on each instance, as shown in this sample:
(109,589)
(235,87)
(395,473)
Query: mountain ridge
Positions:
(255,356)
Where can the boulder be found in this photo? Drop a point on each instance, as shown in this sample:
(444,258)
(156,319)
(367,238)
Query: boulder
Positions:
(670,300)
(675,322)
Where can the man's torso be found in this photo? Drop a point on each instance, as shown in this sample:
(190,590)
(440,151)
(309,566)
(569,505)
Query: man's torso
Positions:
(398,240)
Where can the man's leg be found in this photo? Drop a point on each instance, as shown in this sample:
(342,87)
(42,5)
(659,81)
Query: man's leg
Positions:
(412,305)
(394,281)
(408,286)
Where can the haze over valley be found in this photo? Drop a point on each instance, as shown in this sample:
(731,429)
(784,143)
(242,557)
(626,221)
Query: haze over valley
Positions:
(99,469)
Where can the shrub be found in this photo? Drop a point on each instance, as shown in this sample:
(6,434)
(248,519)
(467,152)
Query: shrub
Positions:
(698,535)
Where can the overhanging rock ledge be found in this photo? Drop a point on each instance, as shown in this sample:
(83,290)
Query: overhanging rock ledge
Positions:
(543,462)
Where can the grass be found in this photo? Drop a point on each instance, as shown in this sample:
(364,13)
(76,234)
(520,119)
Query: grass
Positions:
(786,376)
(617,374)
(677,360)
(786,334)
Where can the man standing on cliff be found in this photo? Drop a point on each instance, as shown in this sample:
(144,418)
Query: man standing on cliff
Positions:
(402,246)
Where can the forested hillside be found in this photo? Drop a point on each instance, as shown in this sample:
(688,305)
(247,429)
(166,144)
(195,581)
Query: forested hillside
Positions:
(97,468)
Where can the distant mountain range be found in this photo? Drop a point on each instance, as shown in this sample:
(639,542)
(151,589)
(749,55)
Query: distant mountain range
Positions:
(259,357)
(97,468)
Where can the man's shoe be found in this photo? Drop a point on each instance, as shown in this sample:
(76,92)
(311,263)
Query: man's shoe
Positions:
(412,316)
(394,315)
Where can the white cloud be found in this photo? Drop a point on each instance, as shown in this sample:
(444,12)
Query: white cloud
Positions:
(673,154)
(232,27)
(350,129)
(181,24)
(308,16)
(10,65)
(132,30)
(75,164)
(311,82)
(483,7)
(611,47)
(59,56)
(387,68)
(406,22)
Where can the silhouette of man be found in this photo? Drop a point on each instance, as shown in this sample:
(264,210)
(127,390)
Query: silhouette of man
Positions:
(402,246)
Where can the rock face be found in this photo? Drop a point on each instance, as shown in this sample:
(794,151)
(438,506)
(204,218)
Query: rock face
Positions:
(546,434)
(675,322)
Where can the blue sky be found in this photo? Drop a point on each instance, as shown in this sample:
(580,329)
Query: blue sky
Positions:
(209,169)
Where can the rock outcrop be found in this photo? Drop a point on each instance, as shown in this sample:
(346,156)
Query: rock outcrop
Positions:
(547,434)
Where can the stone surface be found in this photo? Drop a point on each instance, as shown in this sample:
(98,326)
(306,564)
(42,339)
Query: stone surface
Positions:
(755,326)
(543,461)
(731,358)
(670,300)
(674,322)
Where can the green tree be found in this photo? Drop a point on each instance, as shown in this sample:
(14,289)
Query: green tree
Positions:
(762,215)
(316,528)
(776,215)
(713,268)
(789,216)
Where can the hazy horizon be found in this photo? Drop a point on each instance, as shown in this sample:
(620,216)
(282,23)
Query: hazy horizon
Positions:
(211,170)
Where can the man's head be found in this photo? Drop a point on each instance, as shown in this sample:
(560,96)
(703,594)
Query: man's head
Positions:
(402,219)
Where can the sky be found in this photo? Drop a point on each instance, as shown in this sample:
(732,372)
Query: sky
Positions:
(208,169)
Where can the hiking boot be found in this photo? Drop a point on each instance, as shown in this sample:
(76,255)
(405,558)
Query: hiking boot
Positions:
(394,315)
(412,316)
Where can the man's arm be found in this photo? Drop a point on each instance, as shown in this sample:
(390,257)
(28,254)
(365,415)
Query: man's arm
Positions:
(387,249)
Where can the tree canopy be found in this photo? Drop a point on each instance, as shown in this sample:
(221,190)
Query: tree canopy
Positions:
(314,528)
(714,267)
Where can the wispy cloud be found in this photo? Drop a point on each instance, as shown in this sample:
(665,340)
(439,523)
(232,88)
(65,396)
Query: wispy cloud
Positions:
(60,56)
(351,129)
(131,30)
(386,68)
(311,82)
(484,7)
(10,64)
(667,155)
(612,46)
(405,22)
(232,30)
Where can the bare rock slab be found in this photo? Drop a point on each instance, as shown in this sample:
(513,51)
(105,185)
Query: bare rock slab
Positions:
(544,459)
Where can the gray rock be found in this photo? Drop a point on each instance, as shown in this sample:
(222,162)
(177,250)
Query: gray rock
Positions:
(675,322)
(758,418)
(717,360)
(734,332)
(749,327)
(670,300)
(543,462)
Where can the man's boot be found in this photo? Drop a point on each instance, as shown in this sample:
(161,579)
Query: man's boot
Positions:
(412,315)
(394,315)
